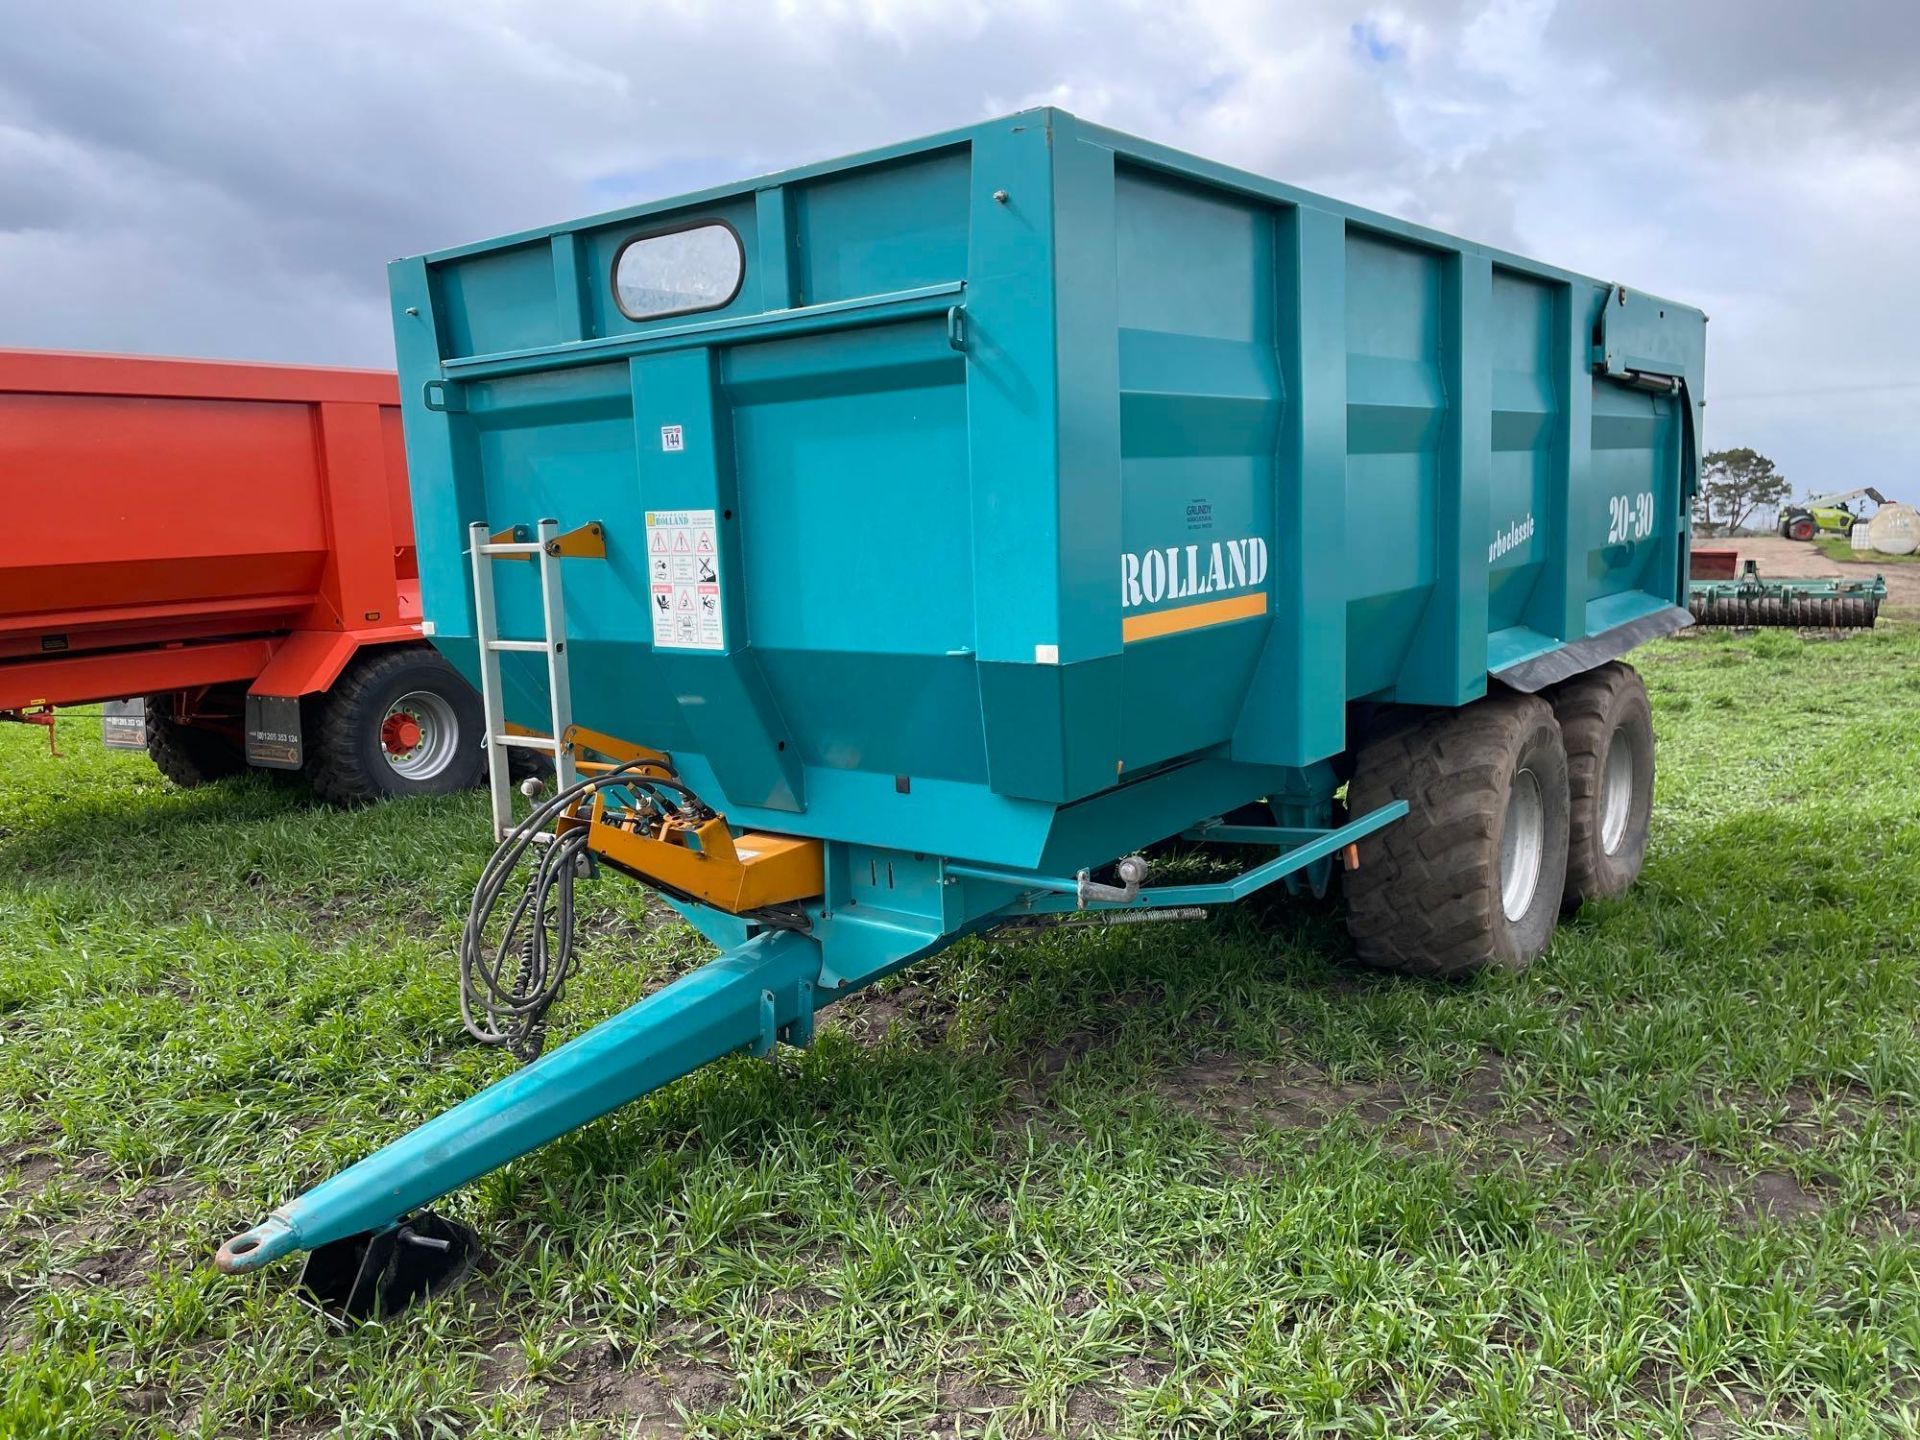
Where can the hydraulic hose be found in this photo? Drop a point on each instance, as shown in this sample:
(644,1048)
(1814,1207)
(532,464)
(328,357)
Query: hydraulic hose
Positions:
(506,989)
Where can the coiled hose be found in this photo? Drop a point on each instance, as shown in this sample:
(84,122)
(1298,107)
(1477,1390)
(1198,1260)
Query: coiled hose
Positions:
(507,989)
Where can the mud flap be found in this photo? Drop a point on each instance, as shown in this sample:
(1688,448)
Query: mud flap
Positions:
(1531,676)
(123,725)
(273,732)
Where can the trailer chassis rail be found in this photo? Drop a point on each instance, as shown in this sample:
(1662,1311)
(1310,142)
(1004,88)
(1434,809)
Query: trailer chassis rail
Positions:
(1300,846)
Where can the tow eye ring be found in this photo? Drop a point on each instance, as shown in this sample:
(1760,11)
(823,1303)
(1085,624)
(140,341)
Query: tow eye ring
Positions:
(376,1273)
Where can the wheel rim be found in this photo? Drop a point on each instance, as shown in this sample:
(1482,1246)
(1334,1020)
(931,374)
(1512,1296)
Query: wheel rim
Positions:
(1616,790)
(1522,844)
(419,735)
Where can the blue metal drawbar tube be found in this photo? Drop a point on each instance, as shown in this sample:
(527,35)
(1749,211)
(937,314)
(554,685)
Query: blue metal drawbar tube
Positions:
(763,991)
(741,1000)
(1301,847)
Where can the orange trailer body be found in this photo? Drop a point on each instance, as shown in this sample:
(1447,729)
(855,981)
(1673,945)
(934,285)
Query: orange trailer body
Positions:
(169,525)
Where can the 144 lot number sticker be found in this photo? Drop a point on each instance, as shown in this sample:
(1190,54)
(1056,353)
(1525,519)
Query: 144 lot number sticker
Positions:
(683,572)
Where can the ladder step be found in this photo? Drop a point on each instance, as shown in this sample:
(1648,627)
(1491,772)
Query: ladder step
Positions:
(488,544)
(528,742)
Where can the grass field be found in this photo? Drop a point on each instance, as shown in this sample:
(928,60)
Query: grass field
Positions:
(1839,547)
(1181,1180)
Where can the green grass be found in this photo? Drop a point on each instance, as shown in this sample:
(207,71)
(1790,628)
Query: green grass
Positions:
(1839,547)
(1183,1180)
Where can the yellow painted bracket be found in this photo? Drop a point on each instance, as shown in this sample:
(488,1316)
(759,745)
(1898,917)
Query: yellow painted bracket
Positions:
(512,535)
(614,748)
(583,742)
(700,858)
(583,542)
(706,860)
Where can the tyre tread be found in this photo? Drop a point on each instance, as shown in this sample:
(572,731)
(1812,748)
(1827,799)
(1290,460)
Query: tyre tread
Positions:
(335,765)
(1588,706)
(1416,904)
(187,756)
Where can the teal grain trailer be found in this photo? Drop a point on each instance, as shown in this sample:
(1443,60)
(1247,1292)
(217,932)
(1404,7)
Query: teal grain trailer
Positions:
(891,549)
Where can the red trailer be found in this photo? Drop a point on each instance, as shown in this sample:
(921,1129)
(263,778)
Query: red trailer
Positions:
(232,543)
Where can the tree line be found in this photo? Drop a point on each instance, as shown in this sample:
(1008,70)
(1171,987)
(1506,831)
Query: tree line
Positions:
(1733,485)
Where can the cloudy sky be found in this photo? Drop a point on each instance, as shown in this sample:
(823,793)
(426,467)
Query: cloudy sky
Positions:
(228,177)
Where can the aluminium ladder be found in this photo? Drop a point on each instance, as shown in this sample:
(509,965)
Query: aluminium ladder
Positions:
(545,551)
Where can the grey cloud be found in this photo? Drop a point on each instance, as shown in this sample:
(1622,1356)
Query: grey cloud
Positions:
(230,178)
(1861,57)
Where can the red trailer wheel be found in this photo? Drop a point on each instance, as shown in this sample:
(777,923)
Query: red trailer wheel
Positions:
(400,735)
(400,721)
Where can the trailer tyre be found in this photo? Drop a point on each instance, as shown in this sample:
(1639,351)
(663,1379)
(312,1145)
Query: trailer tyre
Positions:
(400,721)
(1471,878)
(187,755)
(1608,728)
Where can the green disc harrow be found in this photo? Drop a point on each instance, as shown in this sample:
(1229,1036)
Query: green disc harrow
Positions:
(1750,602)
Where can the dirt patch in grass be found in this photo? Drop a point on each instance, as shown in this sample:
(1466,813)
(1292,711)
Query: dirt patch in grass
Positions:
(1777,1195)
(1733,1413)
(1890,1224)
(800,1300)
(1303,1096)
(63,1210)
(1473,1122)
(869,1016)
(1478,1092)
(1235,1094)
(156,1196)
(1470,1121)
(345,909)
(1757,1195)
(116,1265)
(610,930)
(31,1171)
(1091,1411)
(655,1394)
(1049,1062)
(503,1365)
(963,1404)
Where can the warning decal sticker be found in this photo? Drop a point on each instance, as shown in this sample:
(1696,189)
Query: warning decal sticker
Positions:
(683,569)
